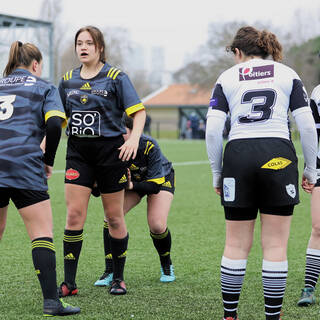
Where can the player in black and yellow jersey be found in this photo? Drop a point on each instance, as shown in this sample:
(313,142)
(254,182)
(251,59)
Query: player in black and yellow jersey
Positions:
(29,109)
(94,96)
(150,174)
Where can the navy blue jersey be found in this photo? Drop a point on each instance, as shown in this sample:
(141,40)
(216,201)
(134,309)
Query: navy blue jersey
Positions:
(95,106)
(150,164)
(26,103)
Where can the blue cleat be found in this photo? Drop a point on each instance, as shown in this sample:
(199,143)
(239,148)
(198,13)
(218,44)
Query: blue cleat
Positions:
(105,280)
(167,274)
(307,297)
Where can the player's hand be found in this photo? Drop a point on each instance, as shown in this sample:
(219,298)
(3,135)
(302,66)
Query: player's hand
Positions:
(48,170)
(218,191)
(129,149)
(306,185)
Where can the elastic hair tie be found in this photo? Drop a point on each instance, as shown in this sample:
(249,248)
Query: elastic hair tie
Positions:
(20,44)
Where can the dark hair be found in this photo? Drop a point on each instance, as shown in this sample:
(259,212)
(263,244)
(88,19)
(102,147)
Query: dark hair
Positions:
(256,43)
(97,38)
(21,55)
(127,121)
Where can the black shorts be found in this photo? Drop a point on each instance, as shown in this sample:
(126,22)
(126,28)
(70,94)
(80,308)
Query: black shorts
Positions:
(260,173)
(91,160)
(21,198)
(168,185)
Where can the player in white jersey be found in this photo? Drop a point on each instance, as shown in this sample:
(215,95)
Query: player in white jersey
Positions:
(259,171)
(312,269)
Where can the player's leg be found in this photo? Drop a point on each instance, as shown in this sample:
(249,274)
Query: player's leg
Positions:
(239,237)
(37,217)
(274,238)
(312,269)
(131,199)
(158,210)
(3,219)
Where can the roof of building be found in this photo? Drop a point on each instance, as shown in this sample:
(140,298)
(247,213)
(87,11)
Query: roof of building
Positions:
(178,95)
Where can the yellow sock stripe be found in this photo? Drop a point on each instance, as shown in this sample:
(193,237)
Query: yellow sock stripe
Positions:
(106,225)
(110,71)
(116,74)
(159,236)
(109,256)
(43,244)
(165,254)
(73,238)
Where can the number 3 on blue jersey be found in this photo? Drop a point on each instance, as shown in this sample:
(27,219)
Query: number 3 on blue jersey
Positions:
(262,102)
(6,106)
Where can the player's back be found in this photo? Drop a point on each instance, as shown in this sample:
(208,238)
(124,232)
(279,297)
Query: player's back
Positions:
(259,93)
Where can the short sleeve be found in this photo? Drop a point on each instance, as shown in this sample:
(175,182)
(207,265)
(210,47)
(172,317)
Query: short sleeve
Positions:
(128,95)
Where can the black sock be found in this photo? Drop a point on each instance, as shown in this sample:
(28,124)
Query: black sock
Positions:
(107,248)
(44,261)
(162,243)
(119,253)
(72,243)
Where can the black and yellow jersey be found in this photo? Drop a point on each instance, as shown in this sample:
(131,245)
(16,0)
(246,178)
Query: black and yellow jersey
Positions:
(150,165)
(95,106)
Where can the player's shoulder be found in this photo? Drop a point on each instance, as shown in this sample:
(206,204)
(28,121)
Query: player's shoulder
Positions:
(69,75)
(114,72)
(147,143)
(315,95)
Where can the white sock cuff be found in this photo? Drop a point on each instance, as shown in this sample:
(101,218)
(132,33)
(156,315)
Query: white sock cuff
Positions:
(233,264)
(315,252)
(275,265)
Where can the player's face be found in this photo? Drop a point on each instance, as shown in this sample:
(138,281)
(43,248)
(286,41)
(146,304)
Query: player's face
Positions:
(86,50)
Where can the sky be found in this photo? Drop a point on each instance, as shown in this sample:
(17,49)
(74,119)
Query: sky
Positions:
(179,26)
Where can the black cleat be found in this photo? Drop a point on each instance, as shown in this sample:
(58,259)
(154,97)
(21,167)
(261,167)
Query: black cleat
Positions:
(52,307)
(67,289)
(118,287)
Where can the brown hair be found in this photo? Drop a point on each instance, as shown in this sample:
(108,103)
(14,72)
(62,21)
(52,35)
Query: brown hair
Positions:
(21,55)
(97,38)
(256,43)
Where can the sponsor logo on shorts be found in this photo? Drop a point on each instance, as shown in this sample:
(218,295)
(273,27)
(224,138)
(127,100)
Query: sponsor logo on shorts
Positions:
(167,184)
(72,174)
(133,167)
(276,163)
(123,179)
(229,189)
(84,99)
(291,190)
(256,73)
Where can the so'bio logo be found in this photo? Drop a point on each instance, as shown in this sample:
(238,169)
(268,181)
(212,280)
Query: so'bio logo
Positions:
(85,123)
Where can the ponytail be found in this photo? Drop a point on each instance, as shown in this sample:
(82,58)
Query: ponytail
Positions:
(21,55)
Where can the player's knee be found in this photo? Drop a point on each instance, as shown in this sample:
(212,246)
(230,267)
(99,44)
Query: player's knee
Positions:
(316,230)
(74,217)
(158,228)
(114,222)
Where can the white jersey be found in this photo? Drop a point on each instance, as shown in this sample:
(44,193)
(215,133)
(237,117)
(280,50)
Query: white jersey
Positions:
(258,94)
(315,107)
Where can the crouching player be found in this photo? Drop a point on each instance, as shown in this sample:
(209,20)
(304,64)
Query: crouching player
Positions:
(152,175)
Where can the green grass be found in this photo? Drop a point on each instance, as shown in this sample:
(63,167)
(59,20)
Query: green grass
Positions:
(196,222)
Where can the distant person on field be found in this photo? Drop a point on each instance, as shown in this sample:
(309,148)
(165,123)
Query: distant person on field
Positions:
(194,125)
(150,174)
(147,125)
(30,108)
(312,268)
(260,166)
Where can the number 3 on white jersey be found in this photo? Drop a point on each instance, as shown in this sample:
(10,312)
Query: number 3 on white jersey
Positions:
(6,106)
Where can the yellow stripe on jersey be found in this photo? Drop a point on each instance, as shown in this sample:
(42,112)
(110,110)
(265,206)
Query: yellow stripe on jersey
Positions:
(113,73)
(56,113)
(157,180)
(68,75)
(110,70)
(116,74)
(133,109)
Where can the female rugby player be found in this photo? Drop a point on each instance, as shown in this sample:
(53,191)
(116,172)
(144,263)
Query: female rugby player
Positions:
(259,170)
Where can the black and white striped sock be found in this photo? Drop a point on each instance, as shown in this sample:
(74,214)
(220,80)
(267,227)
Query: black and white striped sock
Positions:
(232,275)
(312,267)
(274,278)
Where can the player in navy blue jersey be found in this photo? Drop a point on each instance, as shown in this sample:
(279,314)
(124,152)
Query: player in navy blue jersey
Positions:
(150,174)
(259,171)
(29,109)
(94,96)
(312,268)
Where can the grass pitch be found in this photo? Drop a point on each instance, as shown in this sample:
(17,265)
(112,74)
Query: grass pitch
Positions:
(196,222)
